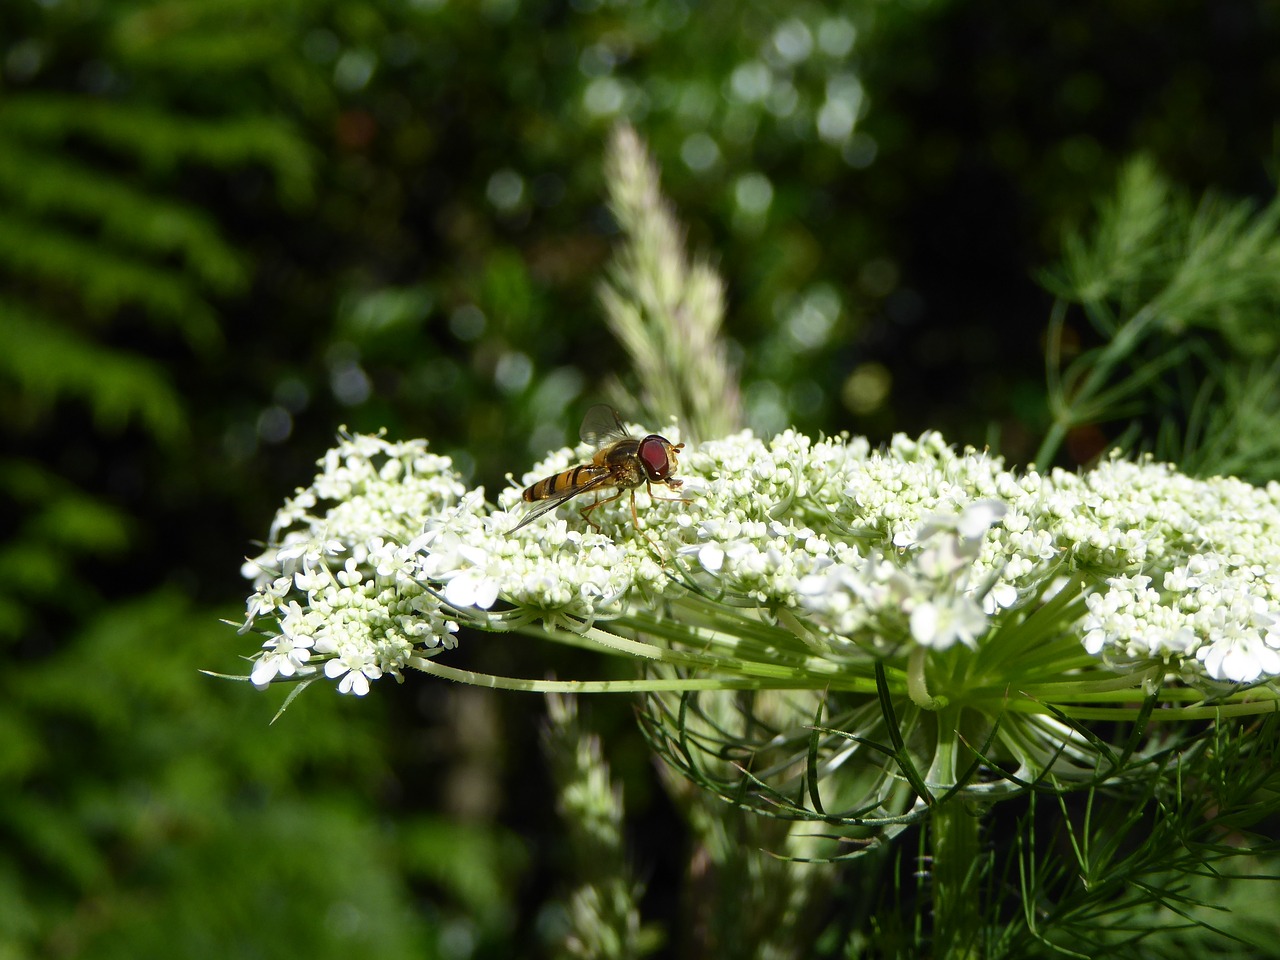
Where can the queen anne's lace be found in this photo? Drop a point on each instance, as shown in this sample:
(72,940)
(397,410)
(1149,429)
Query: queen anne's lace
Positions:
(917,545)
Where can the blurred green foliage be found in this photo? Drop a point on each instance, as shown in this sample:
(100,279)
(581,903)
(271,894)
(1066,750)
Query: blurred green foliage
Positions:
(134,823)
(228,226)
(1182,298)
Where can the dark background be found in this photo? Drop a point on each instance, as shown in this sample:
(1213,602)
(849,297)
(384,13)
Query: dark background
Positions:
(228,229)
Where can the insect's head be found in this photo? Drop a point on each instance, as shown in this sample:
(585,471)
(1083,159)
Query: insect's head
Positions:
(658,457)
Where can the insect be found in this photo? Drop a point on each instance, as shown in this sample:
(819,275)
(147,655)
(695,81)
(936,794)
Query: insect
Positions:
(621,461)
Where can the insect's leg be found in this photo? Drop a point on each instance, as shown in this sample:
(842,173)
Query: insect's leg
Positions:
(587,510)
(636,519)
(652,496)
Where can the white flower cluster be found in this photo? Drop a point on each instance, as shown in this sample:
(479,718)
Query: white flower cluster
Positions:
(920,543)
(377,561)
(914,546)
(339,579)
(876,548)
(1207,584)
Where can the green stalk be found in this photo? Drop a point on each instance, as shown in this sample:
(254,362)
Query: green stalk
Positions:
(957,874)
(1067,410)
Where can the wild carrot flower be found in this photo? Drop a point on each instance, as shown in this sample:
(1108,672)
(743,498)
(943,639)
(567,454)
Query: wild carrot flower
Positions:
(1006,606)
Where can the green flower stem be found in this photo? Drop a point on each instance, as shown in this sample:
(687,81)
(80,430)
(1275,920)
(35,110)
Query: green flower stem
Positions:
(646,685)
(813,673)
(745,654)
(1180,714)
(953,832)
(769,658)
(1100,687)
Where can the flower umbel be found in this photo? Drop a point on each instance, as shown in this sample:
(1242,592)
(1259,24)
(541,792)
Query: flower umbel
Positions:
(338,585)
(987,604)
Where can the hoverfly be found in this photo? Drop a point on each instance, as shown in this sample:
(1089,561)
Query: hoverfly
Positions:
(621,461)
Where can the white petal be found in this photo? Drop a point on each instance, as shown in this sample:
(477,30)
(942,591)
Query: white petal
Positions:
(354,682)
(461,590)
(485,593)
(264,671)
(924,624)
(1094,641)
(711,557)
(978,517)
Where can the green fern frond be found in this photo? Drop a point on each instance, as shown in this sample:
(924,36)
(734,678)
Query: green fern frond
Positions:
(57,527)
(89,233)
(106,280)
(50,186)
(161,139)
(196,36)
(47,363)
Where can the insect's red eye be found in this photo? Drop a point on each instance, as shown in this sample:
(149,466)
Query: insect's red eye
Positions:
(653,453)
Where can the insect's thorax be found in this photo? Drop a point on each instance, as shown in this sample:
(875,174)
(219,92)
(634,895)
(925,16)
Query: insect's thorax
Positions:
(625,469)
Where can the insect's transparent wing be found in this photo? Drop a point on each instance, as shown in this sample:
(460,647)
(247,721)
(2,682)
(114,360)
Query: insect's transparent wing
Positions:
(532,511)
(602,426)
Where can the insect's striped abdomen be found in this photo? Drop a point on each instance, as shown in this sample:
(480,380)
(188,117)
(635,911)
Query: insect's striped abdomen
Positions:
(564,483)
